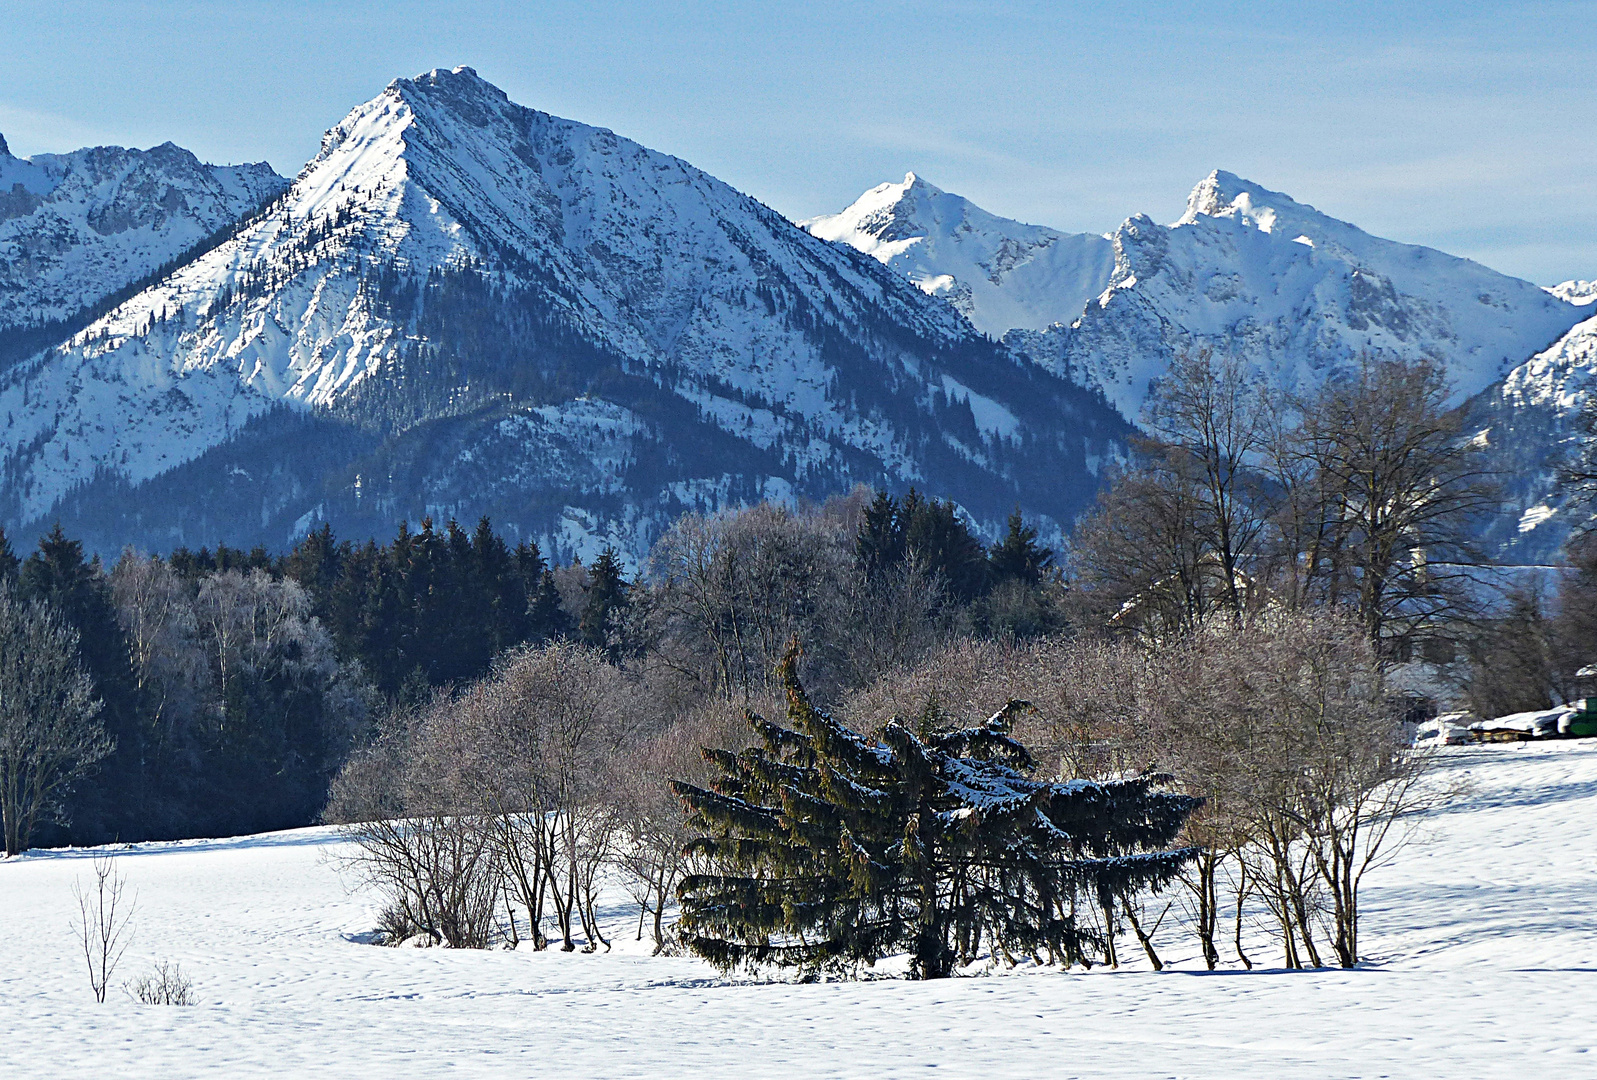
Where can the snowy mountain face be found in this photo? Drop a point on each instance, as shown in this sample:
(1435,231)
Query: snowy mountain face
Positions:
(1579,293)
(1244,270)
(462,305)
(999,274)
(76,228)
(1531,423)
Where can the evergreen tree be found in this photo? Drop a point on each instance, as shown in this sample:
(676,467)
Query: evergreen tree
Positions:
(8,559)
(606,601)
(934,532)
(58,576)
(500,590)
(931,532)
(191,565)
(1018,557)
(829,848)
(546,616)
(456,626)
(529,567)
(880,543)
(317,563)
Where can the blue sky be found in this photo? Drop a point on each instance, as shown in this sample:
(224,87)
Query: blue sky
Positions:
(1469,127)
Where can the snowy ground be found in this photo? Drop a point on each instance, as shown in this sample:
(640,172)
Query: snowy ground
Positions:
(1483,934)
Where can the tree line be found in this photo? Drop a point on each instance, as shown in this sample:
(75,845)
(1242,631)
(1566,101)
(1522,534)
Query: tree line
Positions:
(228,686)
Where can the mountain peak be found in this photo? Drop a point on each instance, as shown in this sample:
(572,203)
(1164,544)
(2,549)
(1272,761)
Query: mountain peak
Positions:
(1225,194)
(999,273)
(1579,293)
(885,214)
(5,151)
(451,81)
(459,91)
(442,220)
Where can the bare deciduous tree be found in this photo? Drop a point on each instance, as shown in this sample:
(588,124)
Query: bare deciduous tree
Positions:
(155,611)
(103,918)
(1281,722)
(506,793)
(50,732)
(1396,488)
(1207,417)
(414,841)
(739,585)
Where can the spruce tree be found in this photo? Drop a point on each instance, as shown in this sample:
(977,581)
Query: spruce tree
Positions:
(499,587)
(931,532)
(8,559)
(606,599)
(1018,557)
(547,617)
(934,533)
(880,543)
(317,563)
(828,848)
(58,576)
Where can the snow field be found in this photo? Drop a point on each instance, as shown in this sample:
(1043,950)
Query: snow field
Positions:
(1482,934)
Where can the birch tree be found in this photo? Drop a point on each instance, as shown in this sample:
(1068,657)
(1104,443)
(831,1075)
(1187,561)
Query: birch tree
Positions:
(50,731)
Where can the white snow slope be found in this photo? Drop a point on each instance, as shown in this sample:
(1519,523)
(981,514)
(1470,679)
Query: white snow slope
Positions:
(1245,269)
(1482,935)
(75,228)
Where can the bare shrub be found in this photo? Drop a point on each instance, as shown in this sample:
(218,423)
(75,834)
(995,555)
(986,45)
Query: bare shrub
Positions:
(165,984)
(414,840)
(1285,726)
(650,852)
(505,795)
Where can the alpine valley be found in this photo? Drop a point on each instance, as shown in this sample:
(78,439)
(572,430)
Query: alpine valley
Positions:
(463,306)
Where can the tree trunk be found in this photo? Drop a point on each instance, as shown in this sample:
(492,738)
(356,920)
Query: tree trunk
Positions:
(1142,938)
(1242,895)
(1208,914)
(1111,957)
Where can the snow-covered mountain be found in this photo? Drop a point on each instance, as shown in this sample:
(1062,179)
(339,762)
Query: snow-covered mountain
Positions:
(1245,270)
(998,273)
(76,228)
(1532,423)
(1579,293)
(463,305)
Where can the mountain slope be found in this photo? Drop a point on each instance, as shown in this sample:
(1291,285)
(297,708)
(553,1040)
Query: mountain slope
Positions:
(76,228)
(1533,422)
(1246,270)
(463,305)
(998,273)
